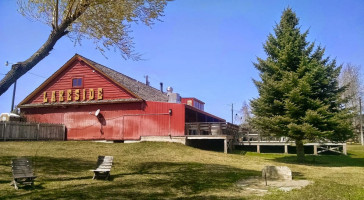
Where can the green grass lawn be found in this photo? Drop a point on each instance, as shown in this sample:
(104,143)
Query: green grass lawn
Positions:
(151,170)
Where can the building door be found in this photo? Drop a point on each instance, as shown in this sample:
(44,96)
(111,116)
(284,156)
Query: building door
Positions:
(81,126)
(113,129)
(131,128)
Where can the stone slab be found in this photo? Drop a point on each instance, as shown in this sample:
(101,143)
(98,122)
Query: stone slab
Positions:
(277,172)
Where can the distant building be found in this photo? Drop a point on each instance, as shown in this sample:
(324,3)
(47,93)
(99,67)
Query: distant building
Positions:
(97,103)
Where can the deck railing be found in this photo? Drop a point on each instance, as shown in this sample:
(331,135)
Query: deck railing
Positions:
(247,135)
(211,128)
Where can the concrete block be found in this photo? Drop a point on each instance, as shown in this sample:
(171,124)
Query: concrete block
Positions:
(277,172)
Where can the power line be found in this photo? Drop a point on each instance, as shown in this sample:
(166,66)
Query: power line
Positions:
(36,75)
(31,74)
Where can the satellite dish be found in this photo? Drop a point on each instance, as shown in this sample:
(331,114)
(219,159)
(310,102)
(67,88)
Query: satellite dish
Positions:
(97,112)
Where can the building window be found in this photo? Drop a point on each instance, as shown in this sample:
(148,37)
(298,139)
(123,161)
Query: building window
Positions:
(77,82)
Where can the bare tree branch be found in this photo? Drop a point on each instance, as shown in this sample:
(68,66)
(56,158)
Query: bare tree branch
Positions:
(55,16)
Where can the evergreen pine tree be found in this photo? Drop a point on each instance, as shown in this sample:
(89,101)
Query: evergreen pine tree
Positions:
(299,91)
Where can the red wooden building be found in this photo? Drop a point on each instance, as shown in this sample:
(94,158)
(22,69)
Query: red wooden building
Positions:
(97,103)
(193,102)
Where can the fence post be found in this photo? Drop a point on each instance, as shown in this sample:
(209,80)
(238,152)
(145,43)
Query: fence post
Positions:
(286,149)
(64,132)
(315,149)
(226,145)
(344,149)
(4,131)
(210,127)
(38,130)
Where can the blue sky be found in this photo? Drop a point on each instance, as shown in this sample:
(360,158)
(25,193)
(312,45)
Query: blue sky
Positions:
(203,48)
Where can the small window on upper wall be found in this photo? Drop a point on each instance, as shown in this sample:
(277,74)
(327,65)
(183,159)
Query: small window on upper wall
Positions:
(77,82)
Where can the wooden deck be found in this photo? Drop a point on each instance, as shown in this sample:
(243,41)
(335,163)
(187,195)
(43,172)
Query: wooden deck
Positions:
(211,128)
(325,147)
(247,137)
(228,140)
(212,131)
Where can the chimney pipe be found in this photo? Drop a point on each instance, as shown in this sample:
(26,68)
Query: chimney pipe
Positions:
(161,86)
(147,80)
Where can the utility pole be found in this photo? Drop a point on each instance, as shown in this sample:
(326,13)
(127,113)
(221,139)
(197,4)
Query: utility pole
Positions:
(232,113)
(361,123)
(12,102)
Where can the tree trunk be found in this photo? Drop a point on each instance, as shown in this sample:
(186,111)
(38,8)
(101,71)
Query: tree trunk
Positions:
(300,151)
(20,68)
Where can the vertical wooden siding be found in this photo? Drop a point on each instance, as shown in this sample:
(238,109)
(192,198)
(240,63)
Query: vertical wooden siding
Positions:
(91,79)
(127,121)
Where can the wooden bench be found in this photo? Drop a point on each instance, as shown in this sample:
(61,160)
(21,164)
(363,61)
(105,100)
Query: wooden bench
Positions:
(22,172)
(104,164)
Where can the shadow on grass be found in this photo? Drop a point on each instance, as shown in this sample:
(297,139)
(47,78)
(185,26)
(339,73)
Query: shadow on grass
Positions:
(325,160)
(154,180)
(52,169)
(37,186)
(192,178)
(5,181)
(298,176)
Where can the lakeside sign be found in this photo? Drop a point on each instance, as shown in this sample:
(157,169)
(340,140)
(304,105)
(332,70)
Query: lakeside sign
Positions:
(73,95)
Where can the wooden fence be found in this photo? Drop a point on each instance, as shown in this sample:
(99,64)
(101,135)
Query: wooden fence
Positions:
(31,131)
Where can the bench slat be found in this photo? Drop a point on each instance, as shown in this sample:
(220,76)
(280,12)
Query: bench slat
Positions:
(101,170)
(19,177)
(23,174)
(104,164)
(22,171)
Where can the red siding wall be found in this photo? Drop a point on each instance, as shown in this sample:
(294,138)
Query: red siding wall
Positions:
(194,102)
(128,121)
(91,79)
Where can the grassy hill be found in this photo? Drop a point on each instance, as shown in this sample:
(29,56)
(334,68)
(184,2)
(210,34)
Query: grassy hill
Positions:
(151,170)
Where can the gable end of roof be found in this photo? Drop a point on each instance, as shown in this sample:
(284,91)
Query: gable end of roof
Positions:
(136,88)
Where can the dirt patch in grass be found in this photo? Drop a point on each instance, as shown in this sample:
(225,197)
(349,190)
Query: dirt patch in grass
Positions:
(258,186)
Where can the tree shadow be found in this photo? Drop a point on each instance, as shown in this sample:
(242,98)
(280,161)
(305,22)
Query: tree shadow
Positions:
(193,178)
(36,186)
(154,180)
(325,160)
(51,168)
(5,181)
(298,176)
(239,152)
(62,166)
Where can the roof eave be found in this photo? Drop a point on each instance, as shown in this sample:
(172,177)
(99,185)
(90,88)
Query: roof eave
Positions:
(82,103)
(203,112)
